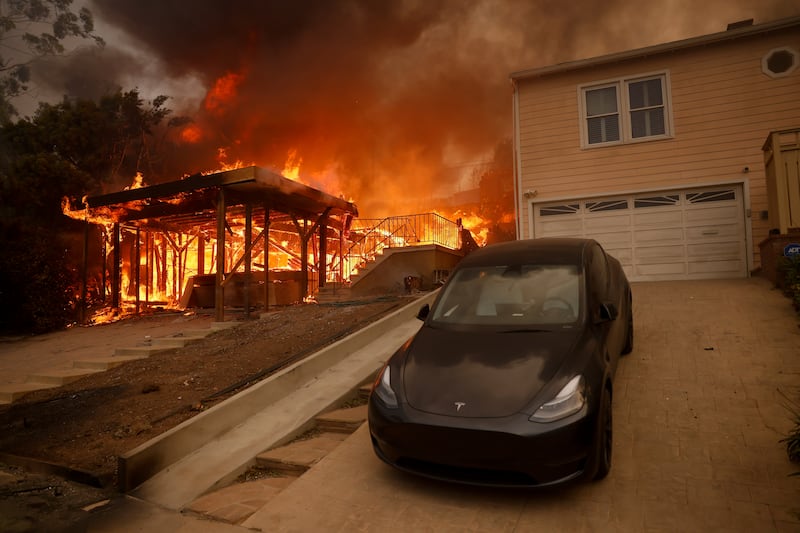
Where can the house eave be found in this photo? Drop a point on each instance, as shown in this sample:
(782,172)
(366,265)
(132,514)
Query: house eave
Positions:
(638,53)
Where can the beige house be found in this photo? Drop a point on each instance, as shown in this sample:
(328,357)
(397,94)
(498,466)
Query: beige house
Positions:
(657,152)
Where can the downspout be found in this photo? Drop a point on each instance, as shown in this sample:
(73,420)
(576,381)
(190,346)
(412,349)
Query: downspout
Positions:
(517,159)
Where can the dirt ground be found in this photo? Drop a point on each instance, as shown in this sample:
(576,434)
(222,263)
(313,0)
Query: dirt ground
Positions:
(86,424)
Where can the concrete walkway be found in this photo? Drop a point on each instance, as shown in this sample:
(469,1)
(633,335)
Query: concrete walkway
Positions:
(699,409)
(22,357)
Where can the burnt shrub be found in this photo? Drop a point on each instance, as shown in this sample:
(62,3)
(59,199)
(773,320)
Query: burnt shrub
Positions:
(35,279)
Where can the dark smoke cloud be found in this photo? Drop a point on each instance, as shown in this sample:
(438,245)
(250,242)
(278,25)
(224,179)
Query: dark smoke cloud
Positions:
(87,73)
(395,98)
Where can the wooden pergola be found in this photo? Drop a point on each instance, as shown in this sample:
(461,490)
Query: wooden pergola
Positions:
(203,204)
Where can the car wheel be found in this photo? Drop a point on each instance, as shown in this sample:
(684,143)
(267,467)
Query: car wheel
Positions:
(628,348)
(603,439)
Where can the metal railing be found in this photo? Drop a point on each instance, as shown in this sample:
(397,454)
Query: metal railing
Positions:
(371,236)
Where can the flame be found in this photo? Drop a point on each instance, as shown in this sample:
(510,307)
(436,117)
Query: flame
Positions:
(224,165)
(291,169)
(101,217)
(137,183)
(222,92)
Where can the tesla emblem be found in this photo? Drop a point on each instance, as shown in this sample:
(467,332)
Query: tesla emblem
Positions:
(459,405)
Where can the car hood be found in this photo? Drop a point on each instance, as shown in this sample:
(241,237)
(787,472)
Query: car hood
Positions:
(480,374)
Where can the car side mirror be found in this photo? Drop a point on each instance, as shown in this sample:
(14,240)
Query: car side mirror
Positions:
(608,312)
(423,312)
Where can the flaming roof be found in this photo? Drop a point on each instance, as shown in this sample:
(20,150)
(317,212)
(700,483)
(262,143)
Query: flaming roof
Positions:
(191,202)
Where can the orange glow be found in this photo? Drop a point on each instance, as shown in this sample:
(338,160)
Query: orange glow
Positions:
(223,91)
(191,134)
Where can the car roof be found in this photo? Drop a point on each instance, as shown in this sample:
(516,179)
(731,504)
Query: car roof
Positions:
(564,251)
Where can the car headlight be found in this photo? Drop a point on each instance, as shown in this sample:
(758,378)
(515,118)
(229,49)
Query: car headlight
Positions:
(568,401)
(383,388)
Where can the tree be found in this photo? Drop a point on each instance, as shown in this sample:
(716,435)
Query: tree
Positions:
(30,30)
(69,149)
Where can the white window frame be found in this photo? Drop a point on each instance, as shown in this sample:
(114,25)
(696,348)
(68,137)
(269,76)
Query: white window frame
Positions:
(623,108)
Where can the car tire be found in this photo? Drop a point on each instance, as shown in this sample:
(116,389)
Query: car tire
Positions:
(628,348)
(603,439)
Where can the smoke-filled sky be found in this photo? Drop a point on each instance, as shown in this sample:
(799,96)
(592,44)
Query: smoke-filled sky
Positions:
(388,102)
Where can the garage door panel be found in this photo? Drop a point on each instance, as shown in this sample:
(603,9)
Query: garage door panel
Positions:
(719,267)
(661,270)
(714,251)
(563,225)
(690,234)
(623,255)
(654,254)
(655,217)
(613,239)
(696,216)
(661,235)
(610,222)
(713,232)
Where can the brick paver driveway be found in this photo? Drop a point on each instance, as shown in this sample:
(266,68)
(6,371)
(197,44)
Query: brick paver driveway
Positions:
(698,413)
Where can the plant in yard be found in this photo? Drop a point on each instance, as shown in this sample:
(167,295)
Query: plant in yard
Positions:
(790,268)
(792,440)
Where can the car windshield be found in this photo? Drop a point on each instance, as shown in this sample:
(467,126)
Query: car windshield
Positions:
(518,296)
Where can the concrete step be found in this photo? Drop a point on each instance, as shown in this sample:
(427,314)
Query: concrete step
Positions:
(106,363)
(198,332)
(334,292)
(61,376)
(237,502)
(141,351)
(342,420)
(14,391)
(364,391)
(300,455)
(174,342)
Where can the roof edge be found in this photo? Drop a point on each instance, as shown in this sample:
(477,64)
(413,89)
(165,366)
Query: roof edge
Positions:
(712,38)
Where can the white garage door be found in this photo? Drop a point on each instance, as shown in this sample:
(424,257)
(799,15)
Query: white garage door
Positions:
(690,234)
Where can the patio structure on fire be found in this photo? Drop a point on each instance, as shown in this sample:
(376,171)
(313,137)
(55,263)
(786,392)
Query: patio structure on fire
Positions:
(242,238)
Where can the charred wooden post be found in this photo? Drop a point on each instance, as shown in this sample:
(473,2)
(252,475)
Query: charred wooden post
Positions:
(323,251)
(266,258)
(219,290)
(115,285)
(201,254)
(84,273)
(104,262)
(304,236)
(137,269)
(248,256)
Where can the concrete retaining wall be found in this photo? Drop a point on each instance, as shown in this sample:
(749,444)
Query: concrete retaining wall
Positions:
(141,463)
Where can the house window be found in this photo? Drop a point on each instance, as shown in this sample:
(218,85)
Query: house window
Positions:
(779,62)
(625,110)
(602,115)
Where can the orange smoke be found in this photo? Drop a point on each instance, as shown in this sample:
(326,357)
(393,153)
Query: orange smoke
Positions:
(223,91)
(191,134)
